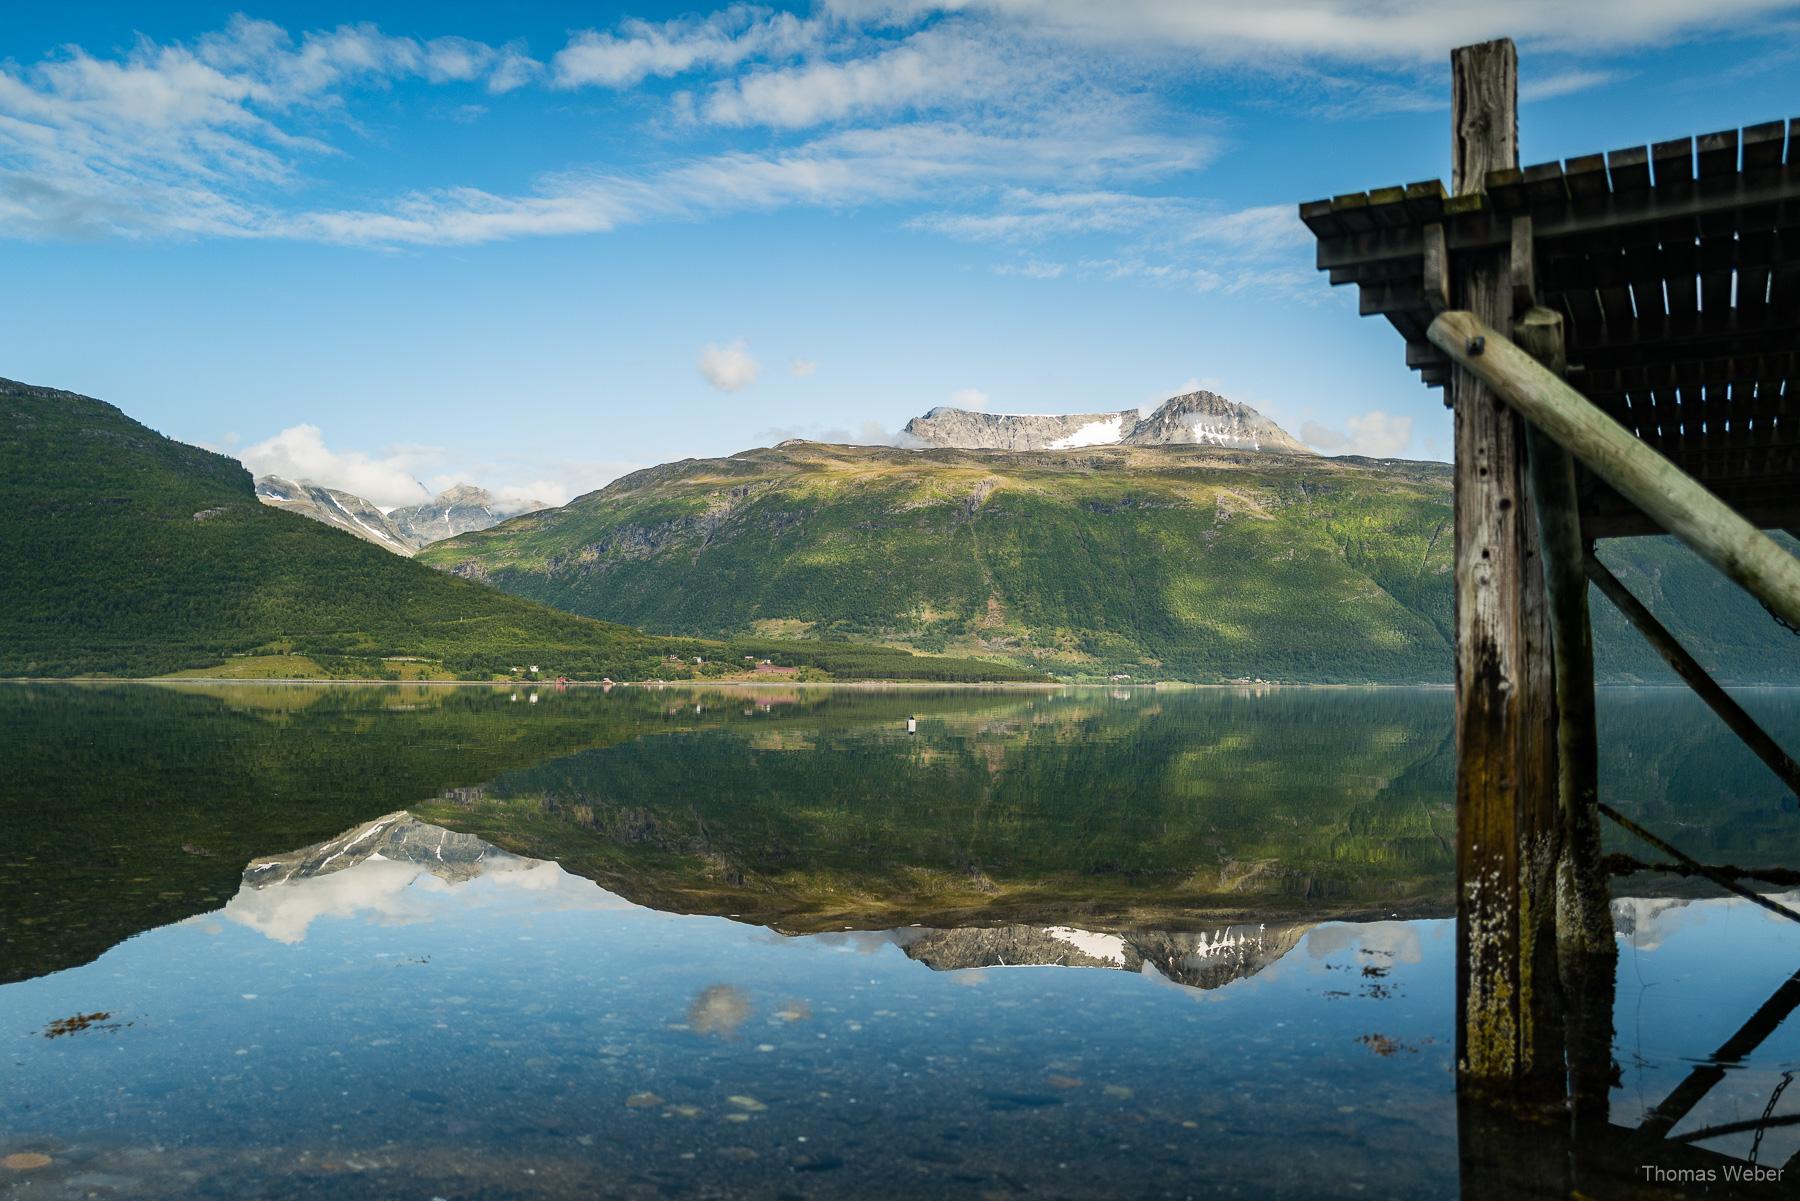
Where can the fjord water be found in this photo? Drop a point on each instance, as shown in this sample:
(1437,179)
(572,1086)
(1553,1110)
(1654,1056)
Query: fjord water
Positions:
(263,941)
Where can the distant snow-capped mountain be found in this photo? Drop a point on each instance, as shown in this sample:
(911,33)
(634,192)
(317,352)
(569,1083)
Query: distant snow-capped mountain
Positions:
(1192,419)
(457,510)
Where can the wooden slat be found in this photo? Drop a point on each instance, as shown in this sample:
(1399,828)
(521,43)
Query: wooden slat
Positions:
(1506,187)
(1317,216)
(1545,187)
(1425,202)
(1352,208)
(1674,163)
(1471,223)
(1629,169)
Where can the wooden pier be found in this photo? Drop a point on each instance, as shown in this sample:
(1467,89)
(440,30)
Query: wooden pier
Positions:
(1619,337)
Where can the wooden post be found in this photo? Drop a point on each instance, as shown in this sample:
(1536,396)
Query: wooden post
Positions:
(1505,772)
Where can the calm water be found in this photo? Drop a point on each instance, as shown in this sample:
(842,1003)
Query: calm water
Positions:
(471,943)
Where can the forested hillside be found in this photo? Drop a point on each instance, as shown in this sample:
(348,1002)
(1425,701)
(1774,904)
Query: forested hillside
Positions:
(1164,562)
(127,553)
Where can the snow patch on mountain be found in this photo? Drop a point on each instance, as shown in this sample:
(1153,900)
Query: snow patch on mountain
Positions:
(1191,419)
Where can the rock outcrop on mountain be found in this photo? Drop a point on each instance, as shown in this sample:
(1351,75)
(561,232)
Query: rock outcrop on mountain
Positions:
(344,510)
(458,510)
(966,430)
(1192,419)
(454,511)
(1198,959)
(1208,419)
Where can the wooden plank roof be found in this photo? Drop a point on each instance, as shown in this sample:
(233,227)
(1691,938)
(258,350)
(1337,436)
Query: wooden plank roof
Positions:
(1676,267)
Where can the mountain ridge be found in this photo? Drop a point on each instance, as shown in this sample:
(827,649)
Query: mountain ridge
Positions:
(132,554)
(1189,562)
(1192,418)
(458,509)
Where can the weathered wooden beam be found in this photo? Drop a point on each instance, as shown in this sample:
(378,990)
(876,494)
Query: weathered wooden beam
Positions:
(1505,770)
(1475,227)
(1695,676)
(1524,271)
(1674,499)
(1436,269)
(1584,915)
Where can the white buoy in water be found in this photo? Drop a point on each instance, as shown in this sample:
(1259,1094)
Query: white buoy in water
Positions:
(912,725)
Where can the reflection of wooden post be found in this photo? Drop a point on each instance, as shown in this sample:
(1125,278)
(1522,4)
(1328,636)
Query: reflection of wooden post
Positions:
(1505,707)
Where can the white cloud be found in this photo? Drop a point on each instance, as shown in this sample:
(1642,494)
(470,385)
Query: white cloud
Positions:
(513,69)
(1176,275)
(1026,215)
(299,453)
(1032,269)
(973,399)
(1270,30)
(1259,229)
(929,70)
(728,368)
(641,49)
(1376,434)
(852,166)
(801,368)
(177,139)
(1034,119)
(409,475)
(1563,83)
(866,433)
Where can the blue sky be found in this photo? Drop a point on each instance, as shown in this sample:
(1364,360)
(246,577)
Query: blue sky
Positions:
(535,246)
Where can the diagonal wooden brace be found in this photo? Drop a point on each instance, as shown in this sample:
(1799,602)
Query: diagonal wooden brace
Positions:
(1675,500)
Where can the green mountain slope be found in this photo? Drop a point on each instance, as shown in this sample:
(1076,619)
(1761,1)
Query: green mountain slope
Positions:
(1185,562)
(127,553)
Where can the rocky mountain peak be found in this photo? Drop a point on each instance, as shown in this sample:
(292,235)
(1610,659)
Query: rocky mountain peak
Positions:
(456,510)
(464,494)
(1191,419)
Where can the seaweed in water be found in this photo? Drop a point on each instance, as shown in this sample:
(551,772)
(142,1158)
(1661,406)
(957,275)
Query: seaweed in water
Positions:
(81,1021)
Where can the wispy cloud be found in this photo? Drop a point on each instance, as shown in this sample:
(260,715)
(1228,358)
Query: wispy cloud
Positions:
(1032,269)
(1564,83)
(1019,121)
(931,70)
(1375,434)
(639,49)
(1353,30)
(852,166)
(179,139)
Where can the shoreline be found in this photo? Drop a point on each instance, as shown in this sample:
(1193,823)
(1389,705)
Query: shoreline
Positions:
(934,685)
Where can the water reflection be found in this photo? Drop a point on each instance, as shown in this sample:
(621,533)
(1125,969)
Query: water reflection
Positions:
(683,943)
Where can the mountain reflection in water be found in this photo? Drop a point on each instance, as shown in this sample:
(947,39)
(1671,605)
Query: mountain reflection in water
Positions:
(675,943)
(381,870)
